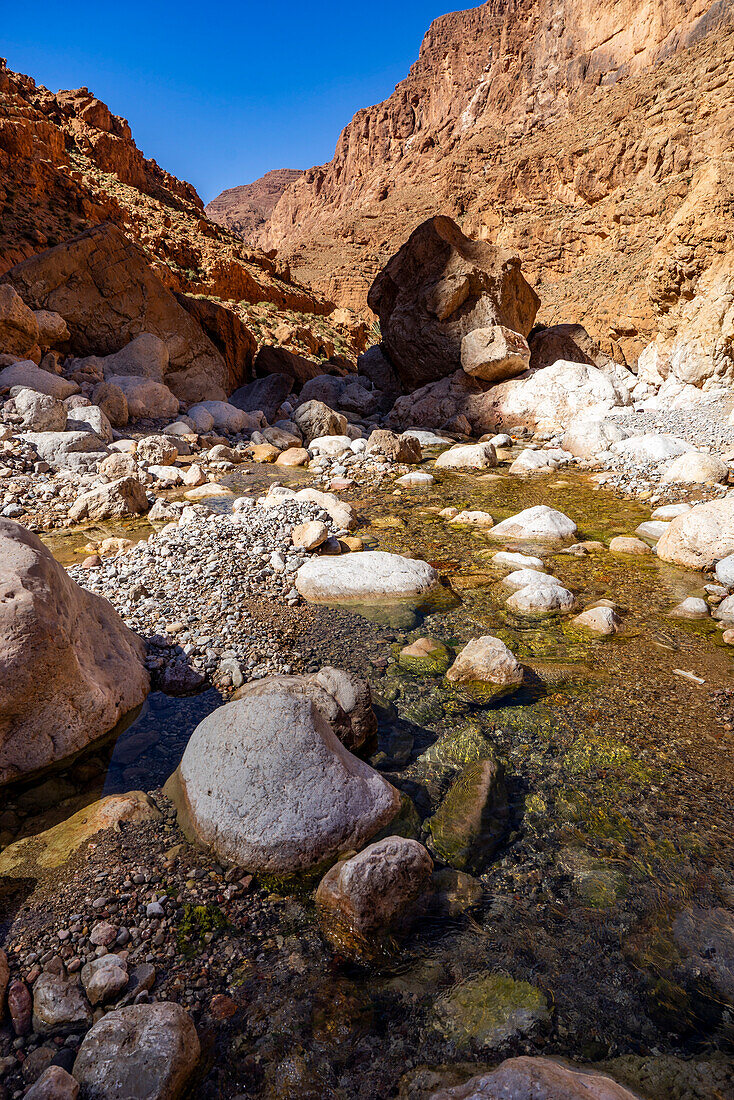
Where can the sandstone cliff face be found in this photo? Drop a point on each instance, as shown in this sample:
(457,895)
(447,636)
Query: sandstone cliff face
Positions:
(246,209)
(592,136)
(67,163)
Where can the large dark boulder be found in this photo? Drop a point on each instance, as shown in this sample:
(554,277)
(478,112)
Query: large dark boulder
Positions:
(266,394)
(437,288)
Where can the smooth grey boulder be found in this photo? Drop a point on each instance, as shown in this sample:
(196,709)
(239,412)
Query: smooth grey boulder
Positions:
(371,575)
(315,419)
(725,571)
(143,1052)
(529,1078)
(264,394)
(541,599)
(344,700)
(538,524)
(57,447)
(266,784)
(27,375)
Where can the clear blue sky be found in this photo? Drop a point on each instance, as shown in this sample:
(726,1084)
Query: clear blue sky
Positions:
(220,93)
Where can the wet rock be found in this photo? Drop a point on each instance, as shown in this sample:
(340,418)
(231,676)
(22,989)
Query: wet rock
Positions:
(471,821)
(521,578)
(489,661)
(541,599)
(93,671)
(371,575)
(425,656)
(4,982)
(59,1006)
(706,939)
(517,561)
(691,608)
(265,783)
(20,1007)
(142,1050)
(537,1079)
(701,537)
(366,902)
(600,620)
(53,847)
(40,411)
(538,524)
(494,353)
(473,519)
(54,1084)
(118,499)
(598,882)
(488,1010)
(455,892)
(315,419)
(416,479)
(104,979)
(479,456)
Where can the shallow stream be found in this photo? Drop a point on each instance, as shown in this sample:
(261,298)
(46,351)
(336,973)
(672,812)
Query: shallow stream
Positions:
(620,770)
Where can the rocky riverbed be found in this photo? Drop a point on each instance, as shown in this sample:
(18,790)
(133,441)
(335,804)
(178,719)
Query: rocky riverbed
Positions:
(563,943)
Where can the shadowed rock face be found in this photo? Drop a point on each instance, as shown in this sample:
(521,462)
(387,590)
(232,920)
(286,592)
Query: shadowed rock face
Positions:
(593,138)
(438,288)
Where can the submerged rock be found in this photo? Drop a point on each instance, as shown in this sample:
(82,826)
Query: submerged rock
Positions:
(541,599)
(471,821)
(488,1010)
(367,902)
(266,784)
(425,655)
(600,620)
(537,1079)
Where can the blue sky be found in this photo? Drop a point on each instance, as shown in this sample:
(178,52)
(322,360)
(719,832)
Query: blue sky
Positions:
(219,94)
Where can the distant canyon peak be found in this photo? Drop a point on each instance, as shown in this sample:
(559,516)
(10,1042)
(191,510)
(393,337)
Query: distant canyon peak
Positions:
(593,138)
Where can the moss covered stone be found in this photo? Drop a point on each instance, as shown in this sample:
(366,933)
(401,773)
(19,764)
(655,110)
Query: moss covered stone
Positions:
(425,657)
(490,1010)
(471,821)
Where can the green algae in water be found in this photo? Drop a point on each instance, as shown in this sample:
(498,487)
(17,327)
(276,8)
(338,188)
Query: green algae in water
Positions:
(489,1010)
(197,923)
